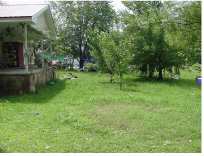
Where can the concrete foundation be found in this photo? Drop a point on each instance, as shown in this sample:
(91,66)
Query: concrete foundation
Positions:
(17,81)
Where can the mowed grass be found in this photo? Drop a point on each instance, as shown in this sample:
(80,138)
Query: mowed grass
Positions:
(90,114)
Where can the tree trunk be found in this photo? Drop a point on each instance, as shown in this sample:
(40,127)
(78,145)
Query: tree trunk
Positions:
(160,67)
(121,81)
(82,53)
(72,64)
(111,80)
(151,74)
(160,73)
(177,71)
(81,56)
(148,71)
(81,63)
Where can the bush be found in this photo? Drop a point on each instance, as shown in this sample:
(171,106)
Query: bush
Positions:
(90,66)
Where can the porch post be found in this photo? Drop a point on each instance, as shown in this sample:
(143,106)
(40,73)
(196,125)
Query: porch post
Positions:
(51,50)
(26,48)
(42,52)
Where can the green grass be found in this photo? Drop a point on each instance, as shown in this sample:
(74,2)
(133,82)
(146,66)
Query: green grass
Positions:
(90,114)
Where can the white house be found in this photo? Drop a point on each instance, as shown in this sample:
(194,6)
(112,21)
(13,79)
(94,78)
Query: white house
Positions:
(24,25)
(23,29)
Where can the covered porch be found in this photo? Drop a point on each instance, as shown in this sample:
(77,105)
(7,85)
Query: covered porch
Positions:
(26,34)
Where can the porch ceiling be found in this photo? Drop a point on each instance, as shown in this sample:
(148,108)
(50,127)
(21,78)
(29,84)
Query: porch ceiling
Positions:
(38,17)
(12,32)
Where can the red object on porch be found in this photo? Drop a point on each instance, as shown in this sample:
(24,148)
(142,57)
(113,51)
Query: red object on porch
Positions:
(20,54)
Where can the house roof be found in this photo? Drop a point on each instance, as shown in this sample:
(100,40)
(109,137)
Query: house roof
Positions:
(8,11)
(30,14)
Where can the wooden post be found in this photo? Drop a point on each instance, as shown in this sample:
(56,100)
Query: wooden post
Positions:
(26,48)
(42,52)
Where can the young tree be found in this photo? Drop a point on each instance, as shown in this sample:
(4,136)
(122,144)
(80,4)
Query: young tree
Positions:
(96,51)
(75,19)
(112,53)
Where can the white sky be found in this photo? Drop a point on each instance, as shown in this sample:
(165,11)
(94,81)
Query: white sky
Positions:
(116,3)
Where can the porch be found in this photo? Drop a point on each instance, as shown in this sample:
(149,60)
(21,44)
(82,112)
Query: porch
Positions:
(18,81)
(26,35)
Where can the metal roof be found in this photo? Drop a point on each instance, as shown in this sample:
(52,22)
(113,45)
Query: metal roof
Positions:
(22,10)
(28,13)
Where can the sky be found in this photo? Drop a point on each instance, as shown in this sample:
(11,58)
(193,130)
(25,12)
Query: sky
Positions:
(116,3)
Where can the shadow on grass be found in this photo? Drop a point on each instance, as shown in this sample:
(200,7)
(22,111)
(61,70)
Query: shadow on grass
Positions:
(131,84)
(183,83)
(44,95)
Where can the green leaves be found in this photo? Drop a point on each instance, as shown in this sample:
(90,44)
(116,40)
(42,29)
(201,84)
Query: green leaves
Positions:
(112,52)
(163,34)
(184,30)
(76,21)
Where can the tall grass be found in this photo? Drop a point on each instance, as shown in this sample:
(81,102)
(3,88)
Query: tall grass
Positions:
(90,114)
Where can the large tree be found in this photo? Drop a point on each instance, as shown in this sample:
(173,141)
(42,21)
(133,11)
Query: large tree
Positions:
(185,30)
(163,39)
(147,26)
(77,19)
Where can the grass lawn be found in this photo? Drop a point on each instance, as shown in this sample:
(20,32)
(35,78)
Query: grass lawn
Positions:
(90,114)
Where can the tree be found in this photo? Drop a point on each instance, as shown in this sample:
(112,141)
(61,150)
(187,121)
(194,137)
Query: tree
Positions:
(147,26)
(76,19)
(166,34)
(185,30)
(112,53)
(97,53)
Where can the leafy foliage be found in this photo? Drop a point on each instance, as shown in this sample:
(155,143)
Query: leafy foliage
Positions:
(157,34)
(185,30)
(77,19)
(114,55)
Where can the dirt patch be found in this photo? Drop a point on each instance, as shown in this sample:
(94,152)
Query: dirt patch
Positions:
(150,108)
(114,107)
(124,115)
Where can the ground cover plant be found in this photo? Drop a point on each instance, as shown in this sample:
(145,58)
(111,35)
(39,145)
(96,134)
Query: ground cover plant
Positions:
(90,114)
